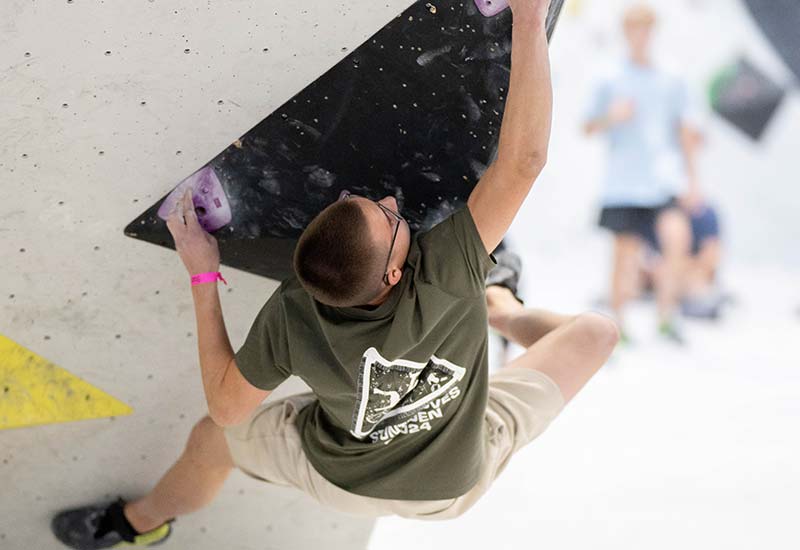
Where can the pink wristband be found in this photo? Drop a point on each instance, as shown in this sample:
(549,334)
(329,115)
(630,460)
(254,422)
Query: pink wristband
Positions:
(201,278)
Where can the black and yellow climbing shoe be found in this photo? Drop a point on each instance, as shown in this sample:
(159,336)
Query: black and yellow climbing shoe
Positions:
(97,527)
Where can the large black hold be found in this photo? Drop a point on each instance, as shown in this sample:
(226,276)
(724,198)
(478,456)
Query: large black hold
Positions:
(780,21)
(413,112)
(747,98)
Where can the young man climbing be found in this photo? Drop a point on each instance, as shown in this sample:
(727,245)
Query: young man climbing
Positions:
(390,333)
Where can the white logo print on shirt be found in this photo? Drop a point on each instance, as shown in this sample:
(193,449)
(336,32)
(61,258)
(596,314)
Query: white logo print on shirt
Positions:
(401,397)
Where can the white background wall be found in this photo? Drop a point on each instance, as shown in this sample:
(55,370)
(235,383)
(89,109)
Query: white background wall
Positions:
(667,448)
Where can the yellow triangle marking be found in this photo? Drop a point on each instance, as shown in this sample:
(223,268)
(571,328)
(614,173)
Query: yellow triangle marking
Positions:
(34,391)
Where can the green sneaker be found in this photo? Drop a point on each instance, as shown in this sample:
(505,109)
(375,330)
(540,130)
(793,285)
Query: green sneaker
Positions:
(625,340)
(98,527)
(670,332)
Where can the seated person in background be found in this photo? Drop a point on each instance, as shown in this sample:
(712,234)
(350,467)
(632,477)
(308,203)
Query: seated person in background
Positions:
(701,298)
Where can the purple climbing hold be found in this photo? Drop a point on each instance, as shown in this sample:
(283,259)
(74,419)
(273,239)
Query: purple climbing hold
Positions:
(490,8)
(210,203)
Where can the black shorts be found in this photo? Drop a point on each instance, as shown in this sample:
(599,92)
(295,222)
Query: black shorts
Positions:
(634,220)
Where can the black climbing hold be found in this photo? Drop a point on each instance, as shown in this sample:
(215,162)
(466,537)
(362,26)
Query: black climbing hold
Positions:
(780,19)
(336,127)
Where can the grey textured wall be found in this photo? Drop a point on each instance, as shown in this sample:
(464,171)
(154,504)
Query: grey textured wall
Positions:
(103,107)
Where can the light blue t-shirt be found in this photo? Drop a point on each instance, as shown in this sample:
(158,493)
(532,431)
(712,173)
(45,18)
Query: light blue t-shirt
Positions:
(645,165)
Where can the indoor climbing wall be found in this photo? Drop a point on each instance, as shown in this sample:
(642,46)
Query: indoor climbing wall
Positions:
(103,108)
(107,106)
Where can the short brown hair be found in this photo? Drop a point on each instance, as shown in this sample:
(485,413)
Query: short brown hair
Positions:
(336,260)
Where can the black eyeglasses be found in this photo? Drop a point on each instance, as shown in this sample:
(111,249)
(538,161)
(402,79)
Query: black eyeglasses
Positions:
(398,218)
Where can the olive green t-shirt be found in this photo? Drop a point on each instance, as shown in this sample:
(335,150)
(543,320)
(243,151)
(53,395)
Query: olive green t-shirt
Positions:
(402,389)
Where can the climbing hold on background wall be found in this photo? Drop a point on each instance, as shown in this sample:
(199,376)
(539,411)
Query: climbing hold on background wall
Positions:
(746,97)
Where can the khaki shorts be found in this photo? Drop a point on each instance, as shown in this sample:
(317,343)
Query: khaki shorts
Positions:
(522,403)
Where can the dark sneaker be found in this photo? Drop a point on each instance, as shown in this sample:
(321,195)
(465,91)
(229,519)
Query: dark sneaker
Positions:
(97,527)
(703,307)
(507,271)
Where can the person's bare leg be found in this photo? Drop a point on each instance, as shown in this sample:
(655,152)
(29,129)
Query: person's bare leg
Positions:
(627,251)
(515,322)
(675,239)
(571,354)
(190,484)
